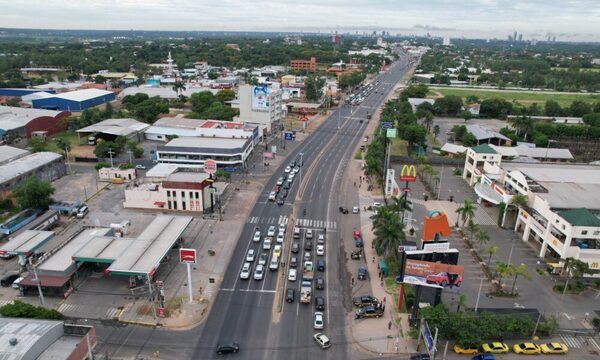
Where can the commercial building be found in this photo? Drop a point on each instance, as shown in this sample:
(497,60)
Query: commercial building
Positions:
(194,150)
(47,166)
(184,127)
(45,339)
(522,153)
(16,122)
(111,128)
(310,65)
(186,191)
(164,92)
(9,154)
(78,100)
(111,173)
(563,203)
(261,105)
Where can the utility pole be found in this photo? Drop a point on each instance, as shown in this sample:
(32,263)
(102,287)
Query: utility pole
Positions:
(37,280)
(110,153)
(130,156)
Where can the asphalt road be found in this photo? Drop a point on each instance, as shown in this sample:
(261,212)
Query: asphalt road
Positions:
(247,311)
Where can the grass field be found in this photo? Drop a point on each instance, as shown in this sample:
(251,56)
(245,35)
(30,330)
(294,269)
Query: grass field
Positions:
(523,98)
(399,147)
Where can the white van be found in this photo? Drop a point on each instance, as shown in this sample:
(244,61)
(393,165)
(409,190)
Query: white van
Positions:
(274,265)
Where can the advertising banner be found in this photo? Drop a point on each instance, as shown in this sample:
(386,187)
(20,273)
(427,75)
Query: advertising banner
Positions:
(432,274)
(260,98)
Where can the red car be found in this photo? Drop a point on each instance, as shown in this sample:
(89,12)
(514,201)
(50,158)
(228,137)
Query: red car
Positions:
(444,279)
(277,188)
(356,234)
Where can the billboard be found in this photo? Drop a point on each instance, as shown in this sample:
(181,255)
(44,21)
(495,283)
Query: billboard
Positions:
(408,173)
(433,274)
(260,98)
(187,256)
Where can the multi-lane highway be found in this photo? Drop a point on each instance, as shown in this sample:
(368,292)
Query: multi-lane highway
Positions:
(250,312)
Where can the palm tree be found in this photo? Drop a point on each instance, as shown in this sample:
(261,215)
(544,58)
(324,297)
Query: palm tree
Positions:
(471,229)
(428,120)
(491,250)
(388,231)
(502,269)
(179,87)
(436,130)
(523,125)
(462,302)
(519,200)
(481,236)
(466,211)
(517,271)
(401,204)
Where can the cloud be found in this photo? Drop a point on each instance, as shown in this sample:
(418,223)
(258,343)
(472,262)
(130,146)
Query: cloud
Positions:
(472,18)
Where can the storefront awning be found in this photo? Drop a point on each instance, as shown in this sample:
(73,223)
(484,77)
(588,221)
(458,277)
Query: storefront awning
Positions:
(159,203)
(47,281)
(487,193)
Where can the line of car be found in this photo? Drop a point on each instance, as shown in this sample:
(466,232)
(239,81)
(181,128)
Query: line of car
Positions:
(527,348)
(263,258)
(284,182)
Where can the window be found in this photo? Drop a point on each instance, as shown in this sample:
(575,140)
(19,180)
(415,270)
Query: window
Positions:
(169,204)
(169,193)
(183,194)
(183,205)
(197,195)
(191,195)
(583,232)
(159,136)
(175,205)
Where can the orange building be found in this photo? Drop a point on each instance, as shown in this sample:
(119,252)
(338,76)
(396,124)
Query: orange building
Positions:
(310,65)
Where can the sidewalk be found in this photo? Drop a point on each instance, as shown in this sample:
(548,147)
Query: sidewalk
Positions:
(206,234)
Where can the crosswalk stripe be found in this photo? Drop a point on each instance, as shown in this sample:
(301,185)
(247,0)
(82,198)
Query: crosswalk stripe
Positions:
(593,341)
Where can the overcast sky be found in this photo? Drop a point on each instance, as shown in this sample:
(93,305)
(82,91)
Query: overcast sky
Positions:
(566,19)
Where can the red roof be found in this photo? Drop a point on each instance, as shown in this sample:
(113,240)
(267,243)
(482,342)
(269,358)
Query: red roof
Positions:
(49,281)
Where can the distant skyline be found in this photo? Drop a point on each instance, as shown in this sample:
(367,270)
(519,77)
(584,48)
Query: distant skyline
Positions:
(568,20)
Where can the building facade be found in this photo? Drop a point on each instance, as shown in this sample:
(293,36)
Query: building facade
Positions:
(261,106)
(194,151)
(75,101)
(309,65)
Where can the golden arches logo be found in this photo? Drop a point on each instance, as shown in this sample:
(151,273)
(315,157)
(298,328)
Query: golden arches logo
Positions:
(408,173)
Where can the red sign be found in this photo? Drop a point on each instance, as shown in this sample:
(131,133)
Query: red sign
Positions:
(408,173)
(187,256)
(210,166)
(161,312)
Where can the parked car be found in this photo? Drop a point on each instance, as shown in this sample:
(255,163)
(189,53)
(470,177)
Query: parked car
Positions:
(231,347)
(280,181)
(355,209)
(365,300)
(309,234)
(466,350)
(419,356)
(140,167)
(287,170)
(308,246)
(554,348)
(368,311)
(82,212)
(7,280)
(282,228)
(495,348)
(362,273)
(484,356)
(295,247)
(358,242)
(290,294)
(322,340)
(356,234)
(307,256)
(527,348)
(15,284)
(444,279)
(321,239)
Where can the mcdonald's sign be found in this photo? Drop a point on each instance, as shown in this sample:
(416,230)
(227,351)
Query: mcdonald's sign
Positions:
(408,173)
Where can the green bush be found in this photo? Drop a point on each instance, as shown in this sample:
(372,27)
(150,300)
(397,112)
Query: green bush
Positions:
(358,155)
(23,310)
(501,210)
(101,165)
(596,323)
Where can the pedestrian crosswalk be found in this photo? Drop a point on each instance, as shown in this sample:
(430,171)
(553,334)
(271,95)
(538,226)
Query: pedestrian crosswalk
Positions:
(482,217)
(5,302)
(88,311)
(308,223)
(579,341)
(317,224)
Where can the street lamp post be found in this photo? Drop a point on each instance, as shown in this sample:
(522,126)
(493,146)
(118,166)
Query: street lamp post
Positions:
(37,280)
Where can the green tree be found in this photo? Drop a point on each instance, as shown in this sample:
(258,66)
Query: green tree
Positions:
(466,211)
(448,105)
(414,134)
(579,108)
(469,140)
(63,145)
(33,193)
(401,204)
(225,95)
(201,101)
(103,148)
(482,237)
(466,115)
(540,140)
(518,271)
(388,231)
(502,270)
(524,126)
(577,268)
(15,101)
(179,88)
(461,303)
(313,87)
(490,250)
(552,108)
(212,75)
(436,130)
(19,309)
(37,144)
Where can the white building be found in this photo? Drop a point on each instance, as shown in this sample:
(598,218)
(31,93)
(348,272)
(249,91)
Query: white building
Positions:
(561,216)
(183,127)
(261,105)
(194,150)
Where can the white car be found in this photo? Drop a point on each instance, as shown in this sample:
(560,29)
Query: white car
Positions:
(322,340)
(287,170)
(355,209)
(271,231)
(307,256)
(280,181)
(274,265)
(263,258)
(259,272)
(267,243)
(309,234)
(277,250)
(256,237)
(292,275)
(291,177)
(272,196)
(246,270)
(140,167)
(318,320)
(320,250)
(321,239)
(250,255)
(280,238)
(282,228)
(296,170)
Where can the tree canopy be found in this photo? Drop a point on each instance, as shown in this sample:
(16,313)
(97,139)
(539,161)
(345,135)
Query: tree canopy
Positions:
(33,193)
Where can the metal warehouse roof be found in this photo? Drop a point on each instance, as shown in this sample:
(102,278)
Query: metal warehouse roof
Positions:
(9,153)
(27,242)
(15,117)
(117,127)
(103,249)
(33,337)
(144,254)
(481,133)
(162,170)
(82,95)
(26,164)
(210,143)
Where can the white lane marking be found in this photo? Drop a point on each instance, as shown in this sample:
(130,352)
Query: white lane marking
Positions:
(248,290)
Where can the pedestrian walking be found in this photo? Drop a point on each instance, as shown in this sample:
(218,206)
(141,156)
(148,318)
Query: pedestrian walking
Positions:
(390,325)
(355,184)
(373,259)
(352,281)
